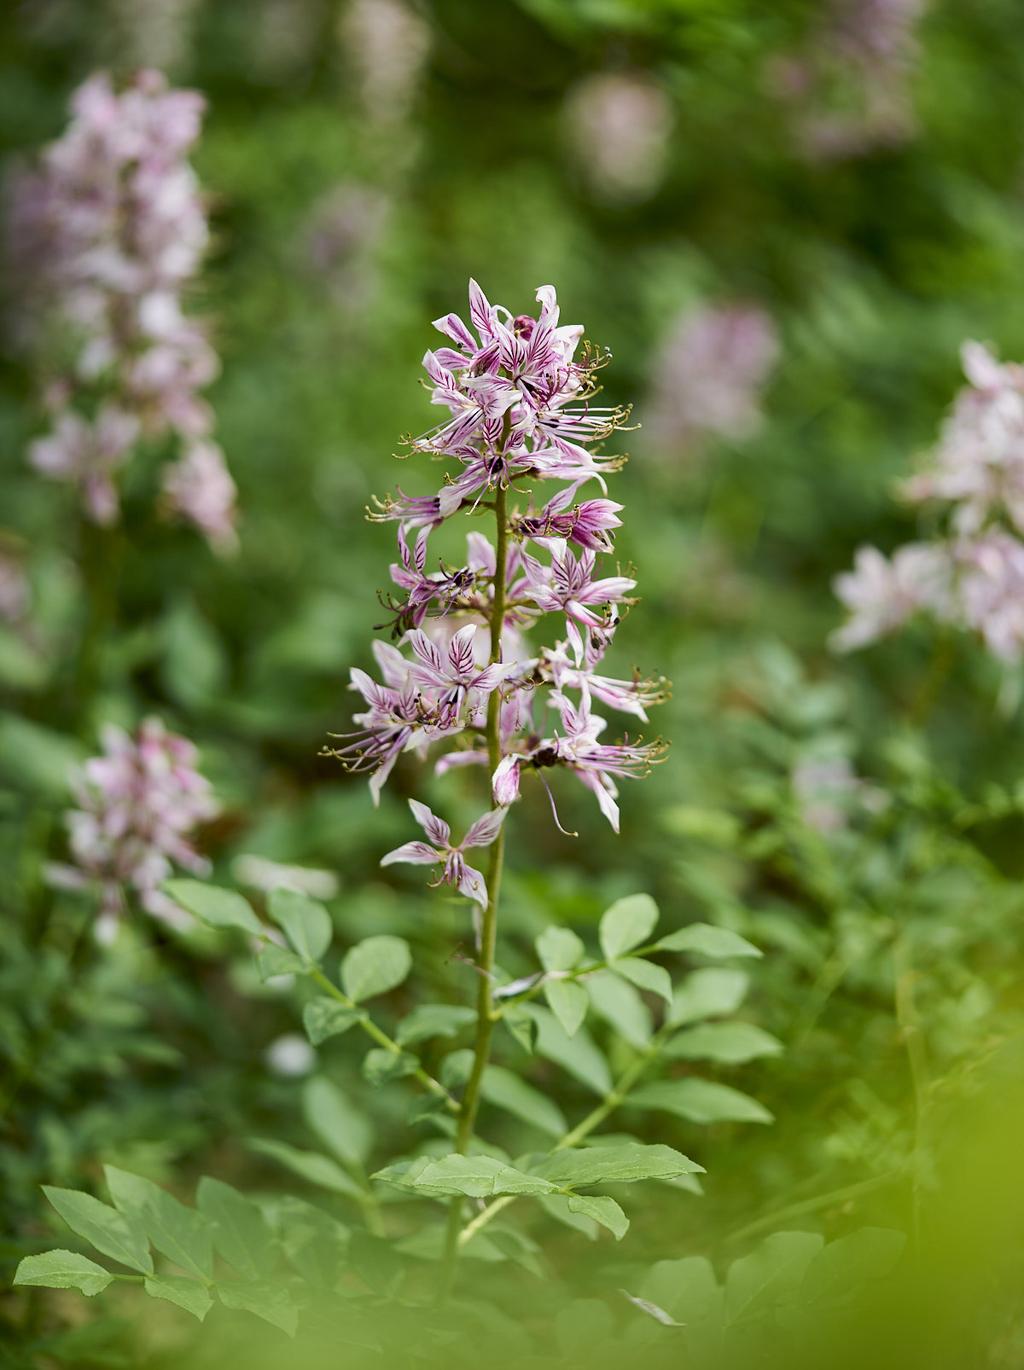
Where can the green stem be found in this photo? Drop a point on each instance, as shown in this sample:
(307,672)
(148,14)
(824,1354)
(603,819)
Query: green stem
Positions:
(909,1023)
(814,1205)
(613,1100)
(98,555)
(485,1017)
(382,1039)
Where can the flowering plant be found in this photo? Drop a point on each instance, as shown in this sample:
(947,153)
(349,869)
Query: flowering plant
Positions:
(138,803)
(972,576)
(107,235)
(463,679)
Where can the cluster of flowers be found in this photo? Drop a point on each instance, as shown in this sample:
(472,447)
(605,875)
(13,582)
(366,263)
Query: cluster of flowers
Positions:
(709,376)
(520,411)
(110,230)
(973,576)
(852,86)
(138,803)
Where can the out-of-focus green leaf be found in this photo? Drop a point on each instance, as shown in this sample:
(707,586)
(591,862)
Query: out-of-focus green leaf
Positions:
(559,949)
(375,966)
(708,940)
(504,1089)
(63,1270)
(179,1233)
(109,1231)
(324,1018)
(569,1002)
(305,923)
(700,1101)
(731,1043)
(219,907)
(241,1235)
(177,1289)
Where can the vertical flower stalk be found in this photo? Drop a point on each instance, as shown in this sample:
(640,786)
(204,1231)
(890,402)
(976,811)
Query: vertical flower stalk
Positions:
(107,235)
(463,676)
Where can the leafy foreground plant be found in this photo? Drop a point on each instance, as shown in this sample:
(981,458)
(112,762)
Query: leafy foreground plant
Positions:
(471,679)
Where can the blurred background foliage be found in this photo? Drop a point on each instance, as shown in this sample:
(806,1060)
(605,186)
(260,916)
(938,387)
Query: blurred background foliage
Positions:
(859,819)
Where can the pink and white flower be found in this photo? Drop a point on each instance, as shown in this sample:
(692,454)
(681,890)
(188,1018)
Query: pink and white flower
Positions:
(440,850)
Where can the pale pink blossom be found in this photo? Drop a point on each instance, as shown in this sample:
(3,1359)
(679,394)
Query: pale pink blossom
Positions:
(387,44)
(992,592)
(619,125)
(109,233)
(139,803)
(88,454)
(978,464)
(199,487)
(710,373)
(851,84)
(882,593)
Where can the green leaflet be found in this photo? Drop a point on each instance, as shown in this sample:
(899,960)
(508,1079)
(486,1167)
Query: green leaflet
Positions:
(305,923)
(324,1017)
(477,1177)
(104,1227)
(179,1233)
(268,1301)
(241,1235)
(559,949)
(273,961)
(569,1002)
(772,1270)
(645,975)
(310,1165)
(506,1090)
(619,1004)
(700,1101)
(339,1125)
(219,907)
(867,1254)
(730,1043)
(685,1288)
(618,1164)
(627,924)
(314,1243)
(602,1210)
(375,966)
(578,1055)
(433,1020)
(186,1293)
(712,992)
(381,1065)
(708,940)
(63,1270)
